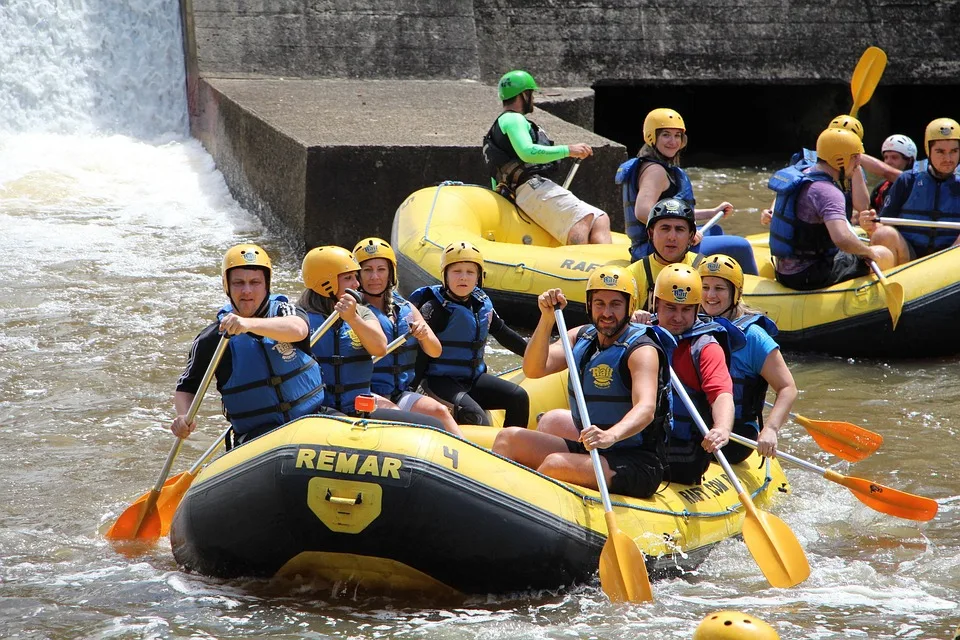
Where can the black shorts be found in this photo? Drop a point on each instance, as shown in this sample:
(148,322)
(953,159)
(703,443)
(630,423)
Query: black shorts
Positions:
(636,472)
(844,266)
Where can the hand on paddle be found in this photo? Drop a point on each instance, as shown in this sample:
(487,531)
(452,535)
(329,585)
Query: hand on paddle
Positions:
(641,317)
(233,325)
(580,150)
(767,442)
(715,438)
(181,426)
(868,221)
(347,308)
(595,438)
(418,329)
(551,300)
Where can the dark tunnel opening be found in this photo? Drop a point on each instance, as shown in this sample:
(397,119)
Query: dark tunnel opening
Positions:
(761,124)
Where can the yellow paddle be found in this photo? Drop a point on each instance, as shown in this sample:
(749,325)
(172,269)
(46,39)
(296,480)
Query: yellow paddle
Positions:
(772,544)
(892,293)
(141,520)
(842,439)
(876,496)
(866,76)
(623,569)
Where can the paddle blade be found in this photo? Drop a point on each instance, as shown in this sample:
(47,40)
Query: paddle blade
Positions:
(886,500)
(623,569)
(775,548)
(866,76)
(140,521)
(893,292)
(842,439)
(170,498)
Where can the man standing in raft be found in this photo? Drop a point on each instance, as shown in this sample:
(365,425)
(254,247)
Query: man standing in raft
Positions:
(623,369)
(267,376)
(931,195)
(520,157)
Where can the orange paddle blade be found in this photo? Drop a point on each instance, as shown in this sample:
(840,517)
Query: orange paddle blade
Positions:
(774,547)
(140,521)
(170,498)
(842,439)
(623,569)
(886,500)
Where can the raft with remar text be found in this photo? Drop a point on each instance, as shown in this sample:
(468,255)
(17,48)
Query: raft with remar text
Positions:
(403,509)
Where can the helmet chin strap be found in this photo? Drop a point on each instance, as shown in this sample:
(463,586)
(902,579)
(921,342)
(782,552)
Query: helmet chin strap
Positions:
(527,100)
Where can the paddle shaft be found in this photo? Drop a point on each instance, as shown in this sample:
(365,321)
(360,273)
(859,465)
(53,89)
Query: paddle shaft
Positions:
(331,320)
(209,452)
(192,411)
(393,347)
(712,221)
(571,173)
(902,222)
(582,406)
(809,466)
(679,388)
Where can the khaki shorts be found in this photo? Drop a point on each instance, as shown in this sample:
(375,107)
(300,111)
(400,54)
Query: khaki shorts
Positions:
(553,207)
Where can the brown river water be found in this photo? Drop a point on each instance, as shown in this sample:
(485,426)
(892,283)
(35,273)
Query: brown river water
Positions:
(114,222)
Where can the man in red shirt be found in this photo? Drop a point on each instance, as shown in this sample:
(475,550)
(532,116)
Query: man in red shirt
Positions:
(701,361)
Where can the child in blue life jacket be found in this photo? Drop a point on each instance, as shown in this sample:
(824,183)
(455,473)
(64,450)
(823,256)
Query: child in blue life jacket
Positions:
(346,351)
(461,315)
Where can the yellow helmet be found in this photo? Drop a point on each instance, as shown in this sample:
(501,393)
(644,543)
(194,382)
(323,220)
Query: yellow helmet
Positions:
(837,146)
(322,265)
(613,278)
(662,119)
(940,129)
(461,252)
(245,255)
(733,625)
(680,284)
(721,266)
(369,248)
(847,122)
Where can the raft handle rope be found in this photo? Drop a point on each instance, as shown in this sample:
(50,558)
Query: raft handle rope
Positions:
(519,266)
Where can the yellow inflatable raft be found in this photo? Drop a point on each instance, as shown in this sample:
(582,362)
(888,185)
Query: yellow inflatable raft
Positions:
(403,509)
(522,260)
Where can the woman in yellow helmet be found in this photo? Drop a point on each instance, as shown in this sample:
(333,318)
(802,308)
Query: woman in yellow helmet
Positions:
(754,367)
(394,374)
(462,316)
(655,174)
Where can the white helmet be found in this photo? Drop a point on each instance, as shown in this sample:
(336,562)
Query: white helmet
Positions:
(901,144)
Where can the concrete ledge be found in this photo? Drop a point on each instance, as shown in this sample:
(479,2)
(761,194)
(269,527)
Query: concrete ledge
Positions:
(332,159)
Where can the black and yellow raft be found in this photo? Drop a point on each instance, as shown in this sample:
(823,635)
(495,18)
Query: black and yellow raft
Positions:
(522,260)
(410,510)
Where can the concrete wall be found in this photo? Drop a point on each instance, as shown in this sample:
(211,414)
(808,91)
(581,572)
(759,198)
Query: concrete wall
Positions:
(579,42)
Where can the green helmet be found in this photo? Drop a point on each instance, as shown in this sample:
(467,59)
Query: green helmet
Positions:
(514,83)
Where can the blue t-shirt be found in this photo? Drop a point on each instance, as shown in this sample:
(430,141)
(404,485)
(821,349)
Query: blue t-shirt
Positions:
(750,359)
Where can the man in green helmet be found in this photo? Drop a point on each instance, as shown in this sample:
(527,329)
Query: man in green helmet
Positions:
(520,158)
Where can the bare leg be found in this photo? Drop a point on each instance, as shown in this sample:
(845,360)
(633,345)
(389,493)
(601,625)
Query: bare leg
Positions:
(600,231)
(558,422)
(430,407)
(889,238)
(576,468)
(580,232)
(526,446)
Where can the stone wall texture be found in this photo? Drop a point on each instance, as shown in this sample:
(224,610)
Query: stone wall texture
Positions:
(578,42)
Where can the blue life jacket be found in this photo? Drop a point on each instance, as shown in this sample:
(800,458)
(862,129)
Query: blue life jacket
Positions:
(703,332)
(749,387)
(394,372)
(606,383)
(347,367)
(271,383)
(627,173)
(803,159)
(464,337)
(929,200)
(791,237)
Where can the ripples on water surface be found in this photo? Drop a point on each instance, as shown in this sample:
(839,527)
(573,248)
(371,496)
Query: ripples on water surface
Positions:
(112,247)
